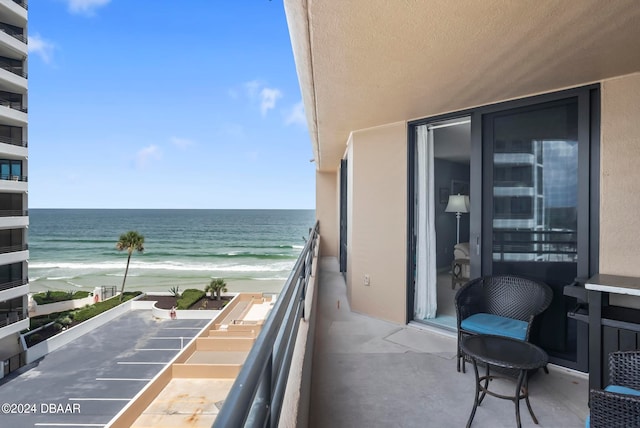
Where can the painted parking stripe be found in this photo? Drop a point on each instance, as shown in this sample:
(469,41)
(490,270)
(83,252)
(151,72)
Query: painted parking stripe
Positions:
(158,349)
(181,328)
(170,337)
(98,399)
(45,424)
(122,378)
(143,362)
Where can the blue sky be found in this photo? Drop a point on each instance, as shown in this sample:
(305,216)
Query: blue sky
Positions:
(165,104)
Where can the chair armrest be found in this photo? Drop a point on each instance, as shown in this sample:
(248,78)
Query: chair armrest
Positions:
(610,409)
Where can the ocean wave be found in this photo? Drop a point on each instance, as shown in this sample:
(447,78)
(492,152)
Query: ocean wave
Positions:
(167,265)
(58,278)
(227,255)
(74,284)
(285,246)
(81,241)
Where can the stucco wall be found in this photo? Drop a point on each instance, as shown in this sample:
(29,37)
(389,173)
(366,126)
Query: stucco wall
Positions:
(377,227)
(620,176)
(327,211)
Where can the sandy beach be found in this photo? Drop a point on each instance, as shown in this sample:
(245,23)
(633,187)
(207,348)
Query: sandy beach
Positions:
(160,284)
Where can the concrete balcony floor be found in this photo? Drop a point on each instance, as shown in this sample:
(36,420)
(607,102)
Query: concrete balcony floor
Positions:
(372,373)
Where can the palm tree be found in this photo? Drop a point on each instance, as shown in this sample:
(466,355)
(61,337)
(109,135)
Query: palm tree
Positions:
(130,241)
(217,286)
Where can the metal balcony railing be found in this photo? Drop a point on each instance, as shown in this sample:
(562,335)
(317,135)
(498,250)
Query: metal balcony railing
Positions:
(10,30)
(255,399)
(13,177)
(543,245)
(22,3)
(13,141)
(13,213)
(18,70)
(16,105)
(14,248)
(8,318)
(12,284)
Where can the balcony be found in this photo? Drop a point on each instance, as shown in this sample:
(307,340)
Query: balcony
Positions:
(12,75)
(15,32)
(366,372)
(12,177)
(13,66)
(13,213)
(14,103)
(12,284)
(13,141)
(8,318)
(13,248)
(22,3)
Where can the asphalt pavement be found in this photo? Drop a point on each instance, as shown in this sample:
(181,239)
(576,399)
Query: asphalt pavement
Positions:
(86,382)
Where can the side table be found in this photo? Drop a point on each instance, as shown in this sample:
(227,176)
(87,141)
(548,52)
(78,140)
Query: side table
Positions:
(507,353)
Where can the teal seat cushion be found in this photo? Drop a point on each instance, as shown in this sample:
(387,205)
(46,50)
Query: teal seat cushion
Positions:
(494,324)
(622,390)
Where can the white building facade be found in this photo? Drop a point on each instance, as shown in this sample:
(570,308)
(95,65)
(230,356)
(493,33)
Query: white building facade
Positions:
(14,220)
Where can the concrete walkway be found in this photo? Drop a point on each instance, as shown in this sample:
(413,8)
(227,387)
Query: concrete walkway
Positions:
(371,373)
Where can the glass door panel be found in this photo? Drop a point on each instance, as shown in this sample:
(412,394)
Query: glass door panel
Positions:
(4,170)
(531,208)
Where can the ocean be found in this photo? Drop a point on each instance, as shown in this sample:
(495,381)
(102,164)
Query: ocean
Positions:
(253,250)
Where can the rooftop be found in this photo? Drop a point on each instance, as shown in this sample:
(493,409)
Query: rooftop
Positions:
(191,389)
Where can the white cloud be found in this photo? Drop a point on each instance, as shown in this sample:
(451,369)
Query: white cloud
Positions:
(147,154)
(41,47)
(296,115)
(268,98)
(257,91)
(181,143)
(85,7)
(252,88)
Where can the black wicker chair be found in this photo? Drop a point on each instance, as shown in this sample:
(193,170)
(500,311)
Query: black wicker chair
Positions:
(507,297)
(614,409)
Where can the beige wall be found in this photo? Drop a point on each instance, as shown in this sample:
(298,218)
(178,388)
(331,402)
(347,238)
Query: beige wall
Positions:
(328,211)
(377,221)
(620,177)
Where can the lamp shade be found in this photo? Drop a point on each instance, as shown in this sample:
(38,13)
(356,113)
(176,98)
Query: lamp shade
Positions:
(458,204)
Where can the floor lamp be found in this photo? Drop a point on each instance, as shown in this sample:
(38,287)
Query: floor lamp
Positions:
(458,204)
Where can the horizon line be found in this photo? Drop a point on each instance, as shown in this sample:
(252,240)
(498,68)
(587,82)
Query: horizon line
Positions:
(106,208)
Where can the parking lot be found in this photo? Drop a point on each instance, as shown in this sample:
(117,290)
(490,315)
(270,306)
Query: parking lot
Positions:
(85,383)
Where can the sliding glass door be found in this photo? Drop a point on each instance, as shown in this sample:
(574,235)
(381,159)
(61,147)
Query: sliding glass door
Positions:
(534,192)
(536,205)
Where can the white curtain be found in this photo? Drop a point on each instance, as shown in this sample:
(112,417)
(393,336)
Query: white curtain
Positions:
(425,295)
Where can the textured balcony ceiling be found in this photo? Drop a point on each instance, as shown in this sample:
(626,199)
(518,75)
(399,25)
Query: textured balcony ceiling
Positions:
(364,63)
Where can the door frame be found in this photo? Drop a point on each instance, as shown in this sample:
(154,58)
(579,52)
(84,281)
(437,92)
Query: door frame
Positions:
(344,165)
(588,190)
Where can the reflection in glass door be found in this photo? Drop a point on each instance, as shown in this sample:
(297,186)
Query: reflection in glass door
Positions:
(531,208)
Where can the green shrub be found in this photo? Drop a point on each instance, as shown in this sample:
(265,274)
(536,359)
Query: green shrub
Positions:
(58,296)
(189,297)
(57,326)
(85,313)
(65,321)
(32,339)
